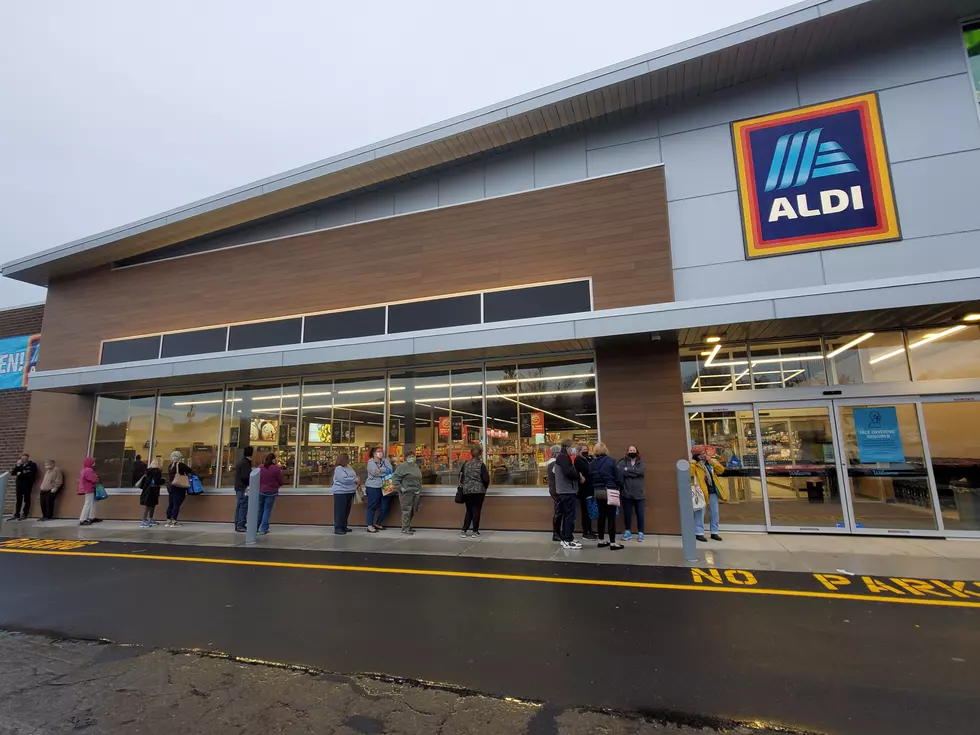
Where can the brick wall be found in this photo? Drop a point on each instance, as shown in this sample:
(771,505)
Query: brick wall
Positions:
(15,404)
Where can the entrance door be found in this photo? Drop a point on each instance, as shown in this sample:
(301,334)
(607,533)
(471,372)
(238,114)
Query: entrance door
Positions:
(803,477)
(888,471)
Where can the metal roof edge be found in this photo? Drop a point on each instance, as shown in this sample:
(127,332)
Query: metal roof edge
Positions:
(796,14)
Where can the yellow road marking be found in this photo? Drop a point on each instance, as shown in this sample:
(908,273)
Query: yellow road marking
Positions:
(502,577)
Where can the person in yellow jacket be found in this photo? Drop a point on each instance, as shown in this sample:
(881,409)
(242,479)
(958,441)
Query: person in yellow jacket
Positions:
(704,471)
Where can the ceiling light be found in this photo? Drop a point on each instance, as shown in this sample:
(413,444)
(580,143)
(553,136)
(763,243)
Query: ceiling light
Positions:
(972,318)
(713,340)
(852,343)
(706,354)
(878,359)
(932,337)
(711,356)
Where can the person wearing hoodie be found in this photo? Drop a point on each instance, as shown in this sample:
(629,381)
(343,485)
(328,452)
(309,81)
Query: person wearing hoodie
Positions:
(583,462)
(633,469)
(378,468)
(567,480)
(51,484)
(176,492)
(150,492)
(26,473)
(408,481)
(270,480)
(87,480)
(605,477)
(549,469)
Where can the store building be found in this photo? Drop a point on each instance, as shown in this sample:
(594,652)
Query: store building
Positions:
(762,241)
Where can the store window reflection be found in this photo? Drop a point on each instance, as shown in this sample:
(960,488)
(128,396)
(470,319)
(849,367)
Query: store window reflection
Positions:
(188,422)
(263,416)
(715,368)
(122,431)
(787,364)
(870,357)
(954,445)
(419,419)
(943,353)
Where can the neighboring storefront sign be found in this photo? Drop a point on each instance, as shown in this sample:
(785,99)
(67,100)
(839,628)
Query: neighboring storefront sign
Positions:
(815,177)
(18,359)
(878,436)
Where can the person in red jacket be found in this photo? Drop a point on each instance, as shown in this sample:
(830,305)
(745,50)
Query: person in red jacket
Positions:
(87,481)
(270,480)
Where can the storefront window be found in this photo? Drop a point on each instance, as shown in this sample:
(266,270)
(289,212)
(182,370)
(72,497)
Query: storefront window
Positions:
(419,419)
(955,450)
(343,416)
(868,358)
(787,364)
(263,416)
(952,352)
(188,422)
(122,432)
(971,37)
(715,368)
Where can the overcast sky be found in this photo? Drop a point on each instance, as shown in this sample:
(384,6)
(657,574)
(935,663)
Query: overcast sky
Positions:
(111,111)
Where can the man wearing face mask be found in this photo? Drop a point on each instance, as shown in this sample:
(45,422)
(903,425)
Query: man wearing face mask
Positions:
(566,488)
(378,468)
(583,461)
(408,480)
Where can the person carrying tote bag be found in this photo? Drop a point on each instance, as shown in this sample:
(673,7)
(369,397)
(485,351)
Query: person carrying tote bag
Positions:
(178,480)
(607,482)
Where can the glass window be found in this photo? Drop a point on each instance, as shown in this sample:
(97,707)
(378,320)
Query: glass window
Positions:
(715,368)
(953,352)
(130,350)
(787,364)
(868,358)
(955,450)
(419,418)
(342,416)
(532,406)
(187,422)
(122,432)
(971,37)
(263,416)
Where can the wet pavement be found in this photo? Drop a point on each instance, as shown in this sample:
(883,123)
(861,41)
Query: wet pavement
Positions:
(661,643)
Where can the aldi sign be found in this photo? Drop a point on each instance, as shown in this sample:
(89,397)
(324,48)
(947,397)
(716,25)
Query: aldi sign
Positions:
(815,177)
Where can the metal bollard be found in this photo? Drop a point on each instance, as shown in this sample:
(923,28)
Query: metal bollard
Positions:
(252,517)
(686,510)
(3,493)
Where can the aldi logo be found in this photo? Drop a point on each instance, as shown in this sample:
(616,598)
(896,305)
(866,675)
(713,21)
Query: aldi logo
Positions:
(814,178)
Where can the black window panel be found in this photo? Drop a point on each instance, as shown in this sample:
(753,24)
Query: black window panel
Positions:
(265,334)
(130,350)
(198,342)
(345,324)
(525,303)
(454,311)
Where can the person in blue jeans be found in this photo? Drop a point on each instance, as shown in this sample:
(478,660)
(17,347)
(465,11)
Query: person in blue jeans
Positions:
(633,469)
(378,503)
(242,472)
(345,484)
(270,480)
(704,473)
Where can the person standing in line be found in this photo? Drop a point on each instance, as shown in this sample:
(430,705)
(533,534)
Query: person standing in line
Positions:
(139,469)
(585,489)
(567,480)
(178,480)
(150,492)
(345,484)
(87,480)
(26,473)
(408,480)
(51,484)
(633,469)
(270,480)
(605,477)
(378,504)
(243,470)
(704,470)
(474,478)
(549,469)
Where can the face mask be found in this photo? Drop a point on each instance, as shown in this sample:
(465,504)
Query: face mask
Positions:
(573,452)
(410,460)
(631,455)
(377,455)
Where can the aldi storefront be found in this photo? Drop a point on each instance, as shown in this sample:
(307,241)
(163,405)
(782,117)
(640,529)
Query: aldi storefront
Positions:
(763,242)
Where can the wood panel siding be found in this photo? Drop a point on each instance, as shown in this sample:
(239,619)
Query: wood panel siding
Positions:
(640,403)
(613,229)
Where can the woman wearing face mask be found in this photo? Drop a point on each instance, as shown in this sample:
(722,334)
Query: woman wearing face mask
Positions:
(345,484)
(634,497)
(408,480)
(605,477)
(378,468)
(704,471)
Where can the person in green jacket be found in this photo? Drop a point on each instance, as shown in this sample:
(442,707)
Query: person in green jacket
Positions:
(408,480)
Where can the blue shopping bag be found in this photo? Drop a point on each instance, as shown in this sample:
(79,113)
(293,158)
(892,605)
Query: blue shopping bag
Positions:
(196,487)
(593,507)
(100,492)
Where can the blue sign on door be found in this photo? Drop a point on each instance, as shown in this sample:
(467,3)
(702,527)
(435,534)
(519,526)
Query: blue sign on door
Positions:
(878,437)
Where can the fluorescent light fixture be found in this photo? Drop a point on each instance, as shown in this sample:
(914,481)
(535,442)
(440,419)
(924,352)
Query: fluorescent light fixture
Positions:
(319,393)
(363,390)
(706,354)
(694,415)
(972,318)
(204,403)
(876,360)
(853,343)
(272,398)
(713,340)
(714,352)
(931,337)
(778,360)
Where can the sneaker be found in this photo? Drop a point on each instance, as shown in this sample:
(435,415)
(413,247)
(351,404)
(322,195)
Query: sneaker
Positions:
(463,534)
(571,545)
(603,544)
(174,524)
(701,538)
(715,537)
(627,535)
(96,520)
(616,547)
(590,536)
(239,529)
(476,533)
(409,531)
(14,518)
(555,537)
(85,523)
(263,533)
(639,537)
(145,524)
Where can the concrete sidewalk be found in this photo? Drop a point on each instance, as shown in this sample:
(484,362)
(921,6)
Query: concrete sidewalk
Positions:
(939,558)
